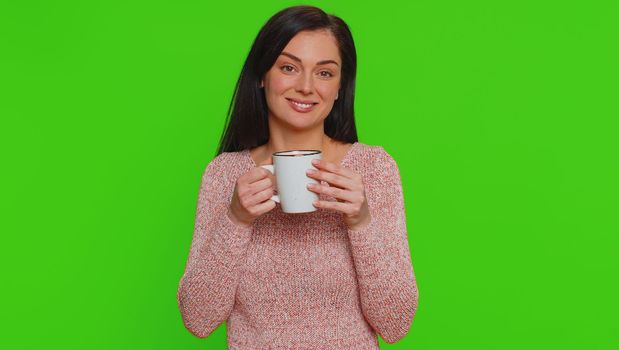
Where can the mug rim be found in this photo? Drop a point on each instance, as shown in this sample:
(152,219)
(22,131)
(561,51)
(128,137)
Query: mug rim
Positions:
(313,152)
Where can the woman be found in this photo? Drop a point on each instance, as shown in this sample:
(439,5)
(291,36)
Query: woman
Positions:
(329,279)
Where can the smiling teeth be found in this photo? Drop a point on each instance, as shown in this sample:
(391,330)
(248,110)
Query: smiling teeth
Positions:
(301,104)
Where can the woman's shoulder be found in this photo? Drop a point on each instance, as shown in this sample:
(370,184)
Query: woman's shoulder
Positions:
(366,147)
(227,163)
(373,161)
(376,153)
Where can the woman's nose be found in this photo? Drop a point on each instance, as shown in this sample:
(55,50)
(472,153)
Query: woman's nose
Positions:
(305,83)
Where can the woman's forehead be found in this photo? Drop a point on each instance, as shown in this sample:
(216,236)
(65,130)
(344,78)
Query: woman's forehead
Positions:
(313,47)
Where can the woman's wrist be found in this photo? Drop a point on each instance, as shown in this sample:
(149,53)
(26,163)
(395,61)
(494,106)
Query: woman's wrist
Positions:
(235,220)
(361,225)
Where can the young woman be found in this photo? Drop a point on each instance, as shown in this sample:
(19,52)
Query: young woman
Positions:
(329,279)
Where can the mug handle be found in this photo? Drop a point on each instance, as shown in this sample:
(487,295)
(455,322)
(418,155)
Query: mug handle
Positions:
(270,168)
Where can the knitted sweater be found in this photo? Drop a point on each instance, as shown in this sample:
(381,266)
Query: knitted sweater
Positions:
(300,281)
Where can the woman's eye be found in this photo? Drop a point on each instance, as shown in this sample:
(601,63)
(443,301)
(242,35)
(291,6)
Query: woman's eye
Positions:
(327,75)
(287,68)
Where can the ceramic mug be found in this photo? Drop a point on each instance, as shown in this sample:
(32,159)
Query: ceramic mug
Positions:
(289,168)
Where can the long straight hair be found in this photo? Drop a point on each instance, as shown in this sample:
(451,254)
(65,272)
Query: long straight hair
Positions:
(247,118)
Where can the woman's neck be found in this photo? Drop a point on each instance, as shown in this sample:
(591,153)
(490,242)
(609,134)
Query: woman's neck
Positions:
(283,136)
(332,150)
(319,142)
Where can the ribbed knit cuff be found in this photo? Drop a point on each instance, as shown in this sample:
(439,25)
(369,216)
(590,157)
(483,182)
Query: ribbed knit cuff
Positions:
(229,240)
(234,235)
(366,246)
(367,235)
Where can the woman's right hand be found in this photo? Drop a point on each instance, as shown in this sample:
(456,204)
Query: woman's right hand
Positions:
(252,196)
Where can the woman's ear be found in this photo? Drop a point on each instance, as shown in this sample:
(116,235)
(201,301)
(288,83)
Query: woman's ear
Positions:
(261,83)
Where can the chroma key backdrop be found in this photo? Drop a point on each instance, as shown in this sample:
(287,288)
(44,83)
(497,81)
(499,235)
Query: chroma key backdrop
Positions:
(501,115)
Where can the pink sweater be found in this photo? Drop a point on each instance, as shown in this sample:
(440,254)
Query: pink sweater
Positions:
(300,281)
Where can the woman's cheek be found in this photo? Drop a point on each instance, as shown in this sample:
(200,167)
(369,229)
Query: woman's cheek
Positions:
(328,92)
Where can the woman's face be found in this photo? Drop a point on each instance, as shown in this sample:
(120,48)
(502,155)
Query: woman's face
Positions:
(303,84)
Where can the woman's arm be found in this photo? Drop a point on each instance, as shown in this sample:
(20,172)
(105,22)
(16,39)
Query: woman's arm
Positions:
(387,284)
(207,288)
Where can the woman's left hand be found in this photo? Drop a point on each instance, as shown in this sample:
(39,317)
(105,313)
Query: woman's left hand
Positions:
(346,187)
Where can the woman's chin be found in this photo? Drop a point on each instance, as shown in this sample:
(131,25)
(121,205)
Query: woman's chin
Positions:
(302,122)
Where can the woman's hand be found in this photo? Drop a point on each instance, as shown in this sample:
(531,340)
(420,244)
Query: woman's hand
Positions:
(252,194)
(346,187)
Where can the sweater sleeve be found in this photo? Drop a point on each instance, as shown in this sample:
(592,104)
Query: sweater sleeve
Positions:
(380,250)
(206,291)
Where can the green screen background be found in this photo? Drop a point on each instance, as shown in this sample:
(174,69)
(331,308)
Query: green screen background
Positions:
(500,114)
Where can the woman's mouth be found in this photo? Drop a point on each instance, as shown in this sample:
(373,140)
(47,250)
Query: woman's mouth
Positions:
(301,107)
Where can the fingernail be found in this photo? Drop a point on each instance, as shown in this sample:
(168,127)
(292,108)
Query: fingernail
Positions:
(315,161)
(311,171)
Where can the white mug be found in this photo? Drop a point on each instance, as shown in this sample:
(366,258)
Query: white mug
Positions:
(289,168)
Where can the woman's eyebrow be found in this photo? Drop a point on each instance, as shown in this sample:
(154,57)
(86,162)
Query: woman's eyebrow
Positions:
(299,60)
